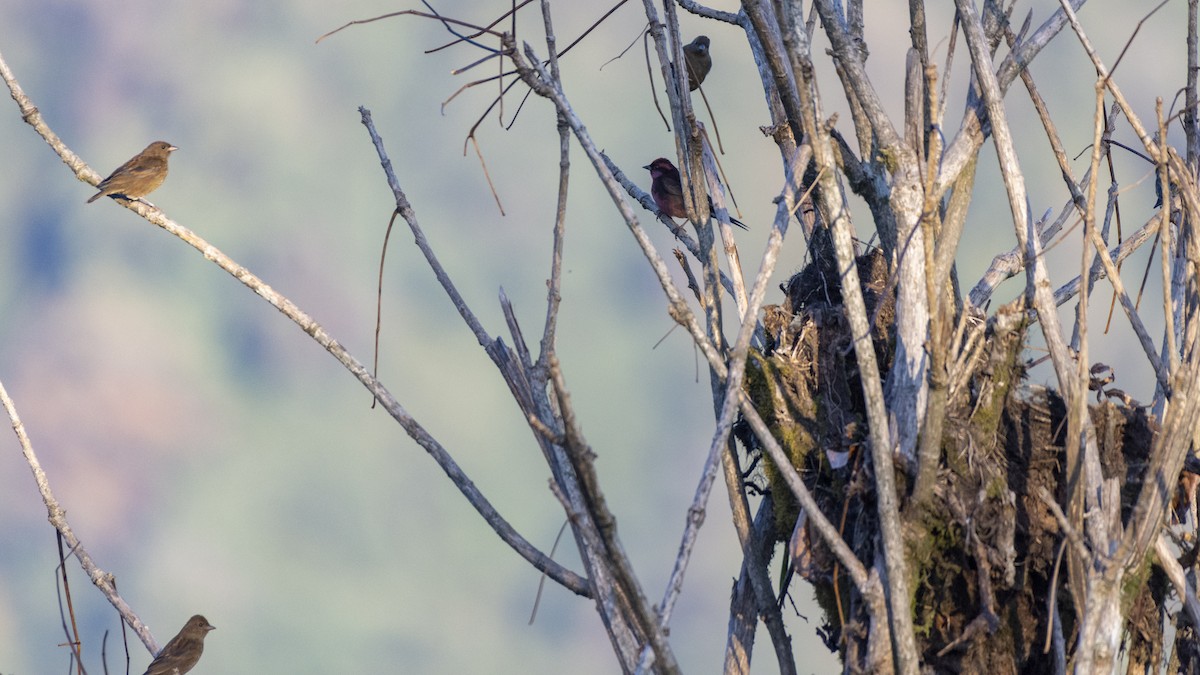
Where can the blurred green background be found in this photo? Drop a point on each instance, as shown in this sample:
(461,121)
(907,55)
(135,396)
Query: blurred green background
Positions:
(216,460)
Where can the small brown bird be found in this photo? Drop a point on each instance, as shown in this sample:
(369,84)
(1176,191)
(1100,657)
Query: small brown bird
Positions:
(699,61)
(139,176)
(183,651)
(667,190)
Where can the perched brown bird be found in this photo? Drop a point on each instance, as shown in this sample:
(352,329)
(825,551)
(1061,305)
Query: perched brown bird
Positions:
(183,651)
(699,61)
(667,190)
(139,176)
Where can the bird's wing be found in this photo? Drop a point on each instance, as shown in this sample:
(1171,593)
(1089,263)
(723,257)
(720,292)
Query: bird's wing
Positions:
(673,187)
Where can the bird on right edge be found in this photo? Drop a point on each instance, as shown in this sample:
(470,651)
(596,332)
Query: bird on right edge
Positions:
(667,190)
(183,652)
(699,61)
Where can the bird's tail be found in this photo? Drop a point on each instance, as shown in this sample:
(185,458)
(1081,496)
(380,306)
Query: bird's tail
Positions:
(713,210)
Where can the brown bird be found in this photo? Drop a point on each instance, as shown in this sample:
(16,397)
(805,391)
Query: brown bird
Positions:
(183,651)
(667,190)
(699,61)
(139,176)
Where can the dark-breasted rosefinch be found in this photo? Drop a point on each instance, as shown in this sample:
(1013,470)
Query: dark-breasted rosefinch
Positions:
(183,651)
(667,190)
(699,61)
(139,176)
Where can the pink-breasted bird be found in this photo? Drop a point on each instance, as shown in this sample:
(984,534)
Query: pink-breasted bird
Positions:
(667,190)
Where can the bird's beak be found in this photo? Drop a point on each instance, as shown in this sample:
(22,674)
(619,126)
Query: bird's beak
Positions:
(647,167)
(172,149)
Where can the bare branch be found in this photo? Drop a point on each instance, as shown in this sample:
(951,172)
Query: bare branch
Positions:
(104,581)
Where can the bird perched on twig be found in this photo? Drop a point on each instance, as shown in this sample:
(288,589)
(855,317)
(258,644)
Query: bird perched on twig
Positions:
(667,190)
(139,176)
(183,651)
(699,61)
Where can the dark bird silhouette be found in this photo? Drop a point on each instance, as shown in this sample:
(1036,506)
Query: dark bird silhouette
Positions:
(139,176)
(667,190)
(183,651)
(699,61)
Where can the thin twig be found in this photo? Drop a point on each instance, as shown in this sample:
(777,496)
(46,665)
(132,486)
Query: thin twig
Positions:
(73,632)
(413,12)
(379,299)
(554,287)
